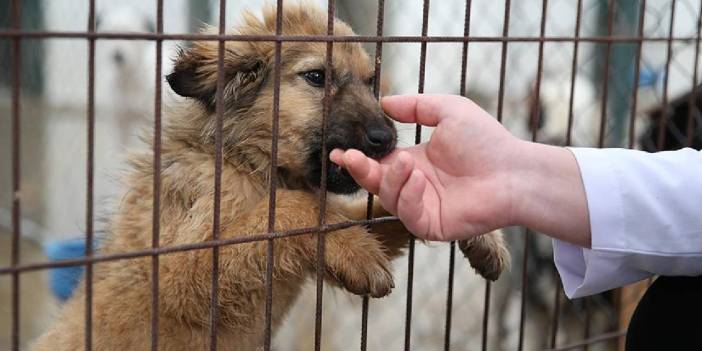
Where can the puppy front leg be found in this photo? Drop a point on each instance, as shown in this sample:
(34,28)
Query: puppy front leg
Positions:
(354,258)
(393,235)
(486,253)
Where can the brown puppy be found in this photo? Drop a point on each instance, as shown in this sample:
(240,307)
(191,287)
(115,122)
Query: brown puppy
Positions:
(356,259)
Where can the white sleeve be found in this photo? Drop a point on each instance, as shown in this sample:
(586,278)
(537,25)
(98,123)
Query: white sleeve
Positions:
(645,218)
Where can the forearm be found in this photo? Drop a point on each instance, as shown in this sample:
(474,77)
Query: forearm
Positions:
(549,193)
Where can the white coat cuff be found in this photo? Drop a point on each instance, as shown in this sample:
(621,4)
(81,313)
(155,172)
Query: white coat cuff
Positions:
(584,271)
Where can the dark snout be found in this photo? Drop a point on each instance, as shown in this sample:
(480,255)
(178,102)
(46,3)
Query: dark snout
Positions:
(357,122)
(374,135)
(366,129)
(379,138)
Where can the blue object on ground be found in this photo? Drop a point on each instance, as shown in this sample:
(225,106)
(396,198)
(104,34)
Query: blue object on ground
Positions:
(649,76)
(63,281)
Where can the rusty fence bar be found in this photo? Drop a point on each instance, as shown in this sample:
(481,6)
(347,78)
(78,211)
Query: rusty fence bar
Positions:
(270,248)
(38,34)
(90,180)
(365,304)
(568,140)
(452,253)
(637,70)
(534,136)
(605,74)
(663,122)
(15,34)
(16,176)
(417,140)
(693,111)
(216,225)
(321,248)
(503,60)
(156,216)
(163,250)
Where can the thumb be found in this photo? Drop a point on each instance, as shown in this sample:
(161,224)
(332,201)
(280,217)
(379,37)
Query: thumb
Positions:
(425,109)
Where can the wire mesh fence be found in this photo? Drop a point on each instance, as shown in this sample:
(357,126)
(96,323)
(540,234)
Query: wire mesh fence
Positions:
(587,73)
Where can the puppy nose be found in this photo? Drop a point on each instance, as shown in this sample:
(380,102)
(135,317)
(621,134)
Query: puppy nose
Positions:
(379,141)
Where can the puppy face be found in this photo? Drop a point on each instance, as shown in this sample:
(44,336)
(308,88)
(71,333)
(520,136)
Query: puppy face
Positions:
(355,119)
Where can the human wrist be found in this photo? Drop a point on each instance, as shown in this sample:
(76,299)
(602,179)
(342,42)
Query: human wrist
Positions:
(548,194)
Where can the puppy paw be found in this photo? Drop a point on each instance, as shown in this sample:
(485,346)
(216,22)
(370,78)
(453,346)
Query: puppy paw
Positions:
(487,254)
(361,271)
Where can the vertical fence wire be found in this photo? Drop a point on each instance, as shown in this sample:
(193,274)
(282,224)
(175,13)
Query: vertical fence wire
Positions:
(525,281)
(216,229)
(555,318)
(273,185)
(500,108)
(588,318)
(369,209)
(486,315)
(693,110)
(569,136)
(452,247)
(16,181)
(573,72)
(637,72)
(663,122)
(321,249)
(90,179)
(605,73)
(417,140)
(156,214)
(503,61)
(449,296)
(536,113)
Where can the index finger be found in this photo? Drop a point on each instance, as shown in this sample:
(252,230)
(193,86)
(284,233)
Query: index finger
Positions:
(365,171)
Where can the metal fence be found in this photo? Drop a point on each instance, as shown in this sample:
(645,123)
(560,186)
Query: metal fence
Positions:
(607,62)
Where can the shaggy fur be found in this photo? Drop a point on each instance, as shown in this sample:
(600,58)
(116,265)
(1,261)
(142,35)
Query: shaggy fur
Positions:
(357,258)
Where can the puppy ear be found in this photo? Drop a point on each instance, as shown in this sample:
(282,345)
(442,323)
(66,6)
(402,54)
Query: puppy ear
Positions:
(188,78)
(195,75)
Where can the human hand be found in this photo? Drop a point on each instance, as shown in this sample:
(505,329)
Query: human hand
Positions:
(472,176)
(453,187)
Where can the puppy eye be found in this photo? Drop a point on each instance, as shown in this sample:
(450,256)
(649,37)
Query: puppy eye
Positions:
(370,81)
(315,77)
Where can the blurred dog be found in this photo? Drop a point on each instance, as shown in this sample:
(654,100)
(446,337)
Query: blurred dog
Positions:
(357,258)
(125,70)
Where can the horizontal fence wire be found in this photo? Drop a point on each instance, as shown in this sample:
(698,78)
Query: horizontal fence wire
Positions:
(336,39)
(605,337)
(162,250)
